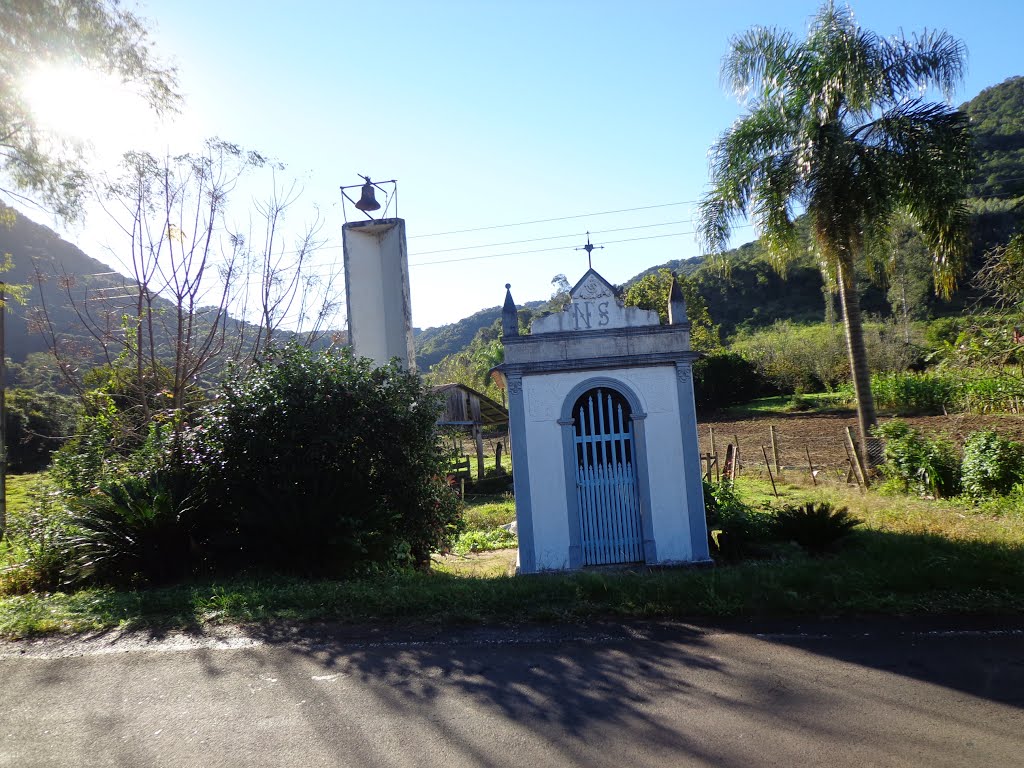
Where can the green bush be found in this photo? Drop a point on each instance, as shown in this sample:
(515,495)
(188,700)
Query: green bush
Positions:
(104,450)
(818,528)
(800,359)
(37,424)
(35,549)
(318,463)
(796,359)
(966,390)
(992,465)
(920,464)
(994,392)
(915,392)
(486,515)
(734,528)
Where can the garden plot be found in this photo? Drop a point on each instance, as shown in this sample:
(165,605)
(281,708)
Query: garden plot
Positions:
(822,436)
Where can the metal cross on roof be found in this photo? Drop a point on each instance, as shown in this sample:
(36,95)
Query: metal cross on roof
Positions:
(588,248)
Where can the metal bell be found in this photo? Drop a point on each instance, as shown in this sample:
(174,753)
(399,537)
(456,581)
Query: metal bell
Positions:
(367,202)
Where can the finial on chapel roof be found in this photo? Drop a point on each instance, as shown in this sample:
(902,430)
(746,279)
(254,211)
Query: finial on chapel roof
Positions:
(676,304)
(509,314)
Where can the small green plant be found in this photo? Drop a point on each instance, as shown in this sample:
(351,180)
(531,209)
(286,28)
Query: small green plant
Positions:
(992,465)
(34,554)
(918,463)
(484,541)
(801,404)
(818,528)
(734,528)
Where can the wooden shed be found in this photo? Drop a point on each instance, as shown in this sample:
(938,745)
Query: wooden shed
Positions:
(473,411)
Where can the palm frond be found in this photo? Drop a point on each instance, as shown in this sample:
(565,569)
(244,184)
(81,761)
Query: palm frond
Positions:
(931,59)
(759,62)
(924,153)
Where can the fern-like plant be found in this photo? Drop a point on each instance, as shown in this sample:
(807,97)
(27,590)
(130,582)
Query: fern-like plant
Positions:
(818,528)
(138,528)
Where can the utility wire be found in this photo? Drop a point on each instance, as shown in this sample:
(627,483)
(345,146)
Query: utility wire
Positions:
(537,250)
(334,265)
(550,237)
(558,218)
(555,248)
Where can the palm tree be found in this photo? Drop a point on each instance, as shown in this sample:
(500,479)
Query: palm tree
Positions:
(837,130)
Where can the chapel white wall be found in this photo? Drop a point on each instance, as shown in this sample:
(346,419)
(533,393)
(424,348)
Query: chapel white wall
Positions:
(657,389)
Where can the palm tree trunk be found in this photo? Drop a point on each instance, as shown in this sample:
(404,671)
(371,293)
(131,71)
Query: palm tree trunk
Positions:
(850,302)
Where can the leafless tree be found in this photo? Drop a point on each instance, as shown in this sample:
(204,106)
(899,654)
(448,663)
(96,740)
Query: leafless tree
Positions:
(197,292)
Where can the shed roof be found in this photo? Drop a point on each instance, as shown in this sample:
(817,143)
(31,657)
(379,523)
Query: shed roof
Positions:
(464,405)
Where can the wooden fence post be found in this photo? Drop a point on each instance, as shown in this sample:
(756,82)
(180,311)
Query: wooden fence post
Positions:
(714,452)
(729,472)
(810,465)
(768,466)
(851,446)
(775,449)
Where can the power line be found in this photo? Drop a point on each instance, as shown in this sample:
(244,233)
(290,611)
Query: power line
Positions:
(334,265)
(555,248)
(558,218)
(313,268)
(550,237)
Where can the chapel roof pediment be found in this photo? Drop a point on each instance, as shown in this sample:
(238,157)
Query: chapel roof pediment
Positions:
(592,286)
(595,306)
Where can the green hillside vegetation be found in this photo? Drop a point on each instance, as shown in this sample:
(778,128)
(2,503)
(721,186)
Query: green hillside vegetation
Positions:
(432,344)
(997,122)
(63,267)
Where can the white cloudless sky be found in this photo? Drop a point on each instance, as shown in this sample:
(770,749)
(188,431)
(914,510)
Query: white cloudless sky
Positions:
(492,114)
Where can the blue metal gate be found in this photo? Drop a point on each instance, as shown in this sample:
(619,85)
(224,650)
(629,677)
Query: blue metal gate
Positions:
(606,488)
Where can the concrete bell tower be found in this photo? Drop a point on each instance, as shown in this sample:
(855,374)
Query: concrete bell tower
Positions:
(377,284)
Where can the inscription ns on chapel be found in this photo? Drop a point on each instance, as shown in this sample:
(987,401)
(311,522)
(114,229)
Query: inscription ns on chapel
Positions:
(591,304)
(590,314)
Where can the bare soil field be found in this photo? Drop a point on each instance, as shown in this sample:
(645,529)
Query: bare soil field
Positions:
(822,435)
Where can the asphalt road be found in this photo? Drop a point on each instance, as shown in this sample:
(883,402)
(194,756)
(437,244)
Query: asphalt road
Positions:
(877,693)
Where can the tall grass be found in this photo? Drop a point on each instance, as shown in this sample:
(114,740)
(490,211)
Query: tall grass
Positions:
(967,391)
(914,392)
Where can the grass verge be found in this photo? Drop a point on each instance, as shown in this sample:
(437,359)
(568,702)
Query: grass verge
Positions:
(911,557)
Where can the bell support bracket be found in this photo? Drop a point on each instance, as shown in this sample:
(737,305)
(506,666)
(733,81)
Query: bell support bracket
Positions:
(367,201)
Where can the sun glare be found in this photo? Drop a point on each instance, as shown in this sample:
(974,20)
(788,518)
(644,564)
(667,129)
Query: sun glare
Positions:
(88,106)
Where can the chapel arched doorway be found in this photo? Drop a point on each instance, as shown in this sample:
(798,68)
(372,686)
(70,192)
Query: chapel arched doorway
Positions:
(608,500)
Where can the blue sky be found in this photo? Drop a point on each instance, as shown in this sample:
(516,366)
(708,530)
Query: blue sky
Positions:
(498,113)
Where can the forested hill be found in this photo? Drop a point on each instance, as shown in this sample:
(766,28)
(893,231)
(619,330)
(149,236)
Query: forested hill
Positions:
(34,247)
(997,122)
(432,344)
